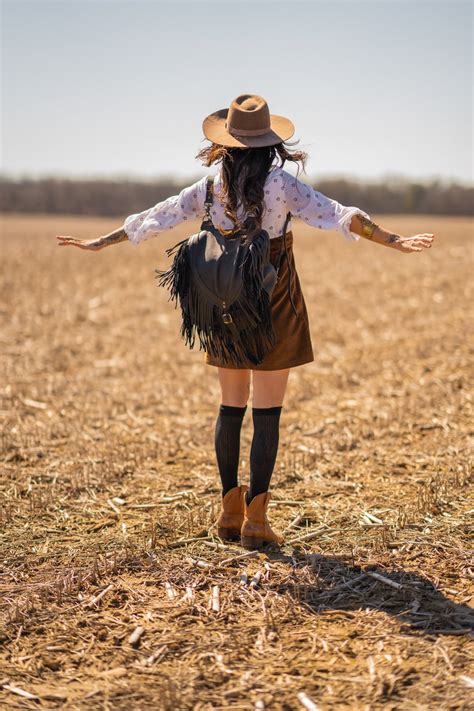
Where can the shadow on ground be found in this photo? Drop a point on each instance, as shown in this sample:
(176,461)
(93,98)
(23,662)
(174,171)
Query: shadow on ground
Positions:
(333,584)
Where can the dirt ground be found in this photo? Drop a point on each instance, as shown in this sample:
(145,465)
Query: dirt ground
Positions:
(108,469)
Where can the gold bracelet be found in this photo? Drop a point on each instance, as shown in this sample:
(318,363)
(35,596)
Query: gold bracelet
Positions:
(368,227)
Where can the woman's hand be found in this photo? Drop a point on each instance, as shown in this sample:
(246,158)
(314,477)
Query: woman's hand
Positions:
(91,244)
(94,244)
(363,226)
(413,244)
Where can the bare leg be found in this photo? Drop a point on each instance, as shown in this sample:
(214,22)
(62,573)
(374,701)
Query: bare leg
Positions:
(269,387)
(235,386)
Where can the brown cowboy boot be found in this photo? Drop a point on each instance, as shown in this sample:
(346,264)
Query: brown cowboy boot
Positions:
(231,517)
(256,531)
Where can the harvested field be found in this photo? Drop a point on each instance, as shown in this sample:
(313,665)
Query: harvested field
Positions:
(115,591)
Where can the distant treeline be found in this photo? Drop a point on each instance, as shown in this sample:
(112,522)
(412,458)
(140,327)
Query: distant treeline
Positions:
(123,197)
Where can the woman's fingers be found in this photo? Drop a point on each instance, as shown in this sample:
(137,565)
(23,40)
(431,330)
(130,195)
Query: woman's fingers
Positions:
(417,243)
(425,239)
(66,240)
(410,246)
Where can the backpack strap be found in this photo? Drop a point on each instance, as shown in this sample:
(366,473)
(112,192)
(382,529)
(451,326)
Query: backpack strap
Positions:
(288,218)
(208,199)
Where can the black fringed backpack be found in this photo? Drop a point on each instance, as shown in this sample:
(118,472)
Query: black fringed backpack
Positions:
(224,286)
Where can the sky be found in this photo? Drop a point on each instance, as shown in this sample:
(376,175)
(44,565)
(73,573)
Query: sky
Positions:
(119,88)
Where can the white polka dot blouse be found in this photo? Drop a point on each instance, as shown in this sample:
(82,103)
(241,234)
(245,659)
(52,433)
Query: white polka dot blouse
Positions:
(283,193)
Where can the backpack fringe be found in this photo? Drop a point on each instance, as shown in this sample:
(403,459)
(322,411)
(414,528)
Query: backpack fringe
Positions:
(250,335)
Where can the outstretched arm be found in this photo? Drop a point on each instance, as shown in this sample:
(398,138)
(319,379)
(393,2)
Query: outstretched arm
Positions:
(321,211)
(94,244)
(365,227)
(165,215)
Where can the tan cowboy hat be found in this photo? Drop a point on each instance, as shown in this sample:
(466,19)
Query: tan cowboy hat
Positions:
(247,123)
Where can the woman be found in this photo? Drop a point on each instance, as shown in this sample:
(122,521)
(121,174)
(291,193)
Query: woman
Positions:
(252,192)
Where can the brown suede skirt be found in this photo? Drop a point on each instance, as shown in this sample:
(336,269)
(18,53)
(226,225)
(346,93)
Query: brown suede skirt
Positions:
(293,340)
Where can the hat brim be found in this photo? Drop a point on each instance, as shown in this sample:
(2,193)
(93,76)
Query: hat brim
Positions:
(213,126)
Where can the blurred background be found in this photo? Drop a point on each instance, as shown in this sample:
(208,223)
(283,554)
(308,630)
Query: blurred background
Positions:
(103,102)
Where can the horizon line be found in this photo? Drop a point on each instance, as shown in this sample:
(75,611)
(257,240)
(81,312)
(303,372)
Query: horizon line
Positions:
(387,176)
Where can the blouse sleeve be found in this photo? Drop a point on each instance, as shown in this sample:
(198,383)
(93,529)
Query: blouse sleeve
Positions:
(318,210)
(165,215)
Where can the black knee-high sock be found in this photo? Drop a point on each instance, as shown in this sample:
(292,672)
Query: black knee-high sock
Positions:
(227,444)
(263,451)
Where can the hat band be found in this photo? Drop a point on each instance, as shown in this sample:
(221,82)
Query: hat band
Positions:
(247,131)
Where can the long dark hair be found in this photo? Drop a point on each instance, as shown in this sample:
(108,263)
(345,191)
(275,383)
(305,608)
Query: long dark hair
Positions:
(244,171)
